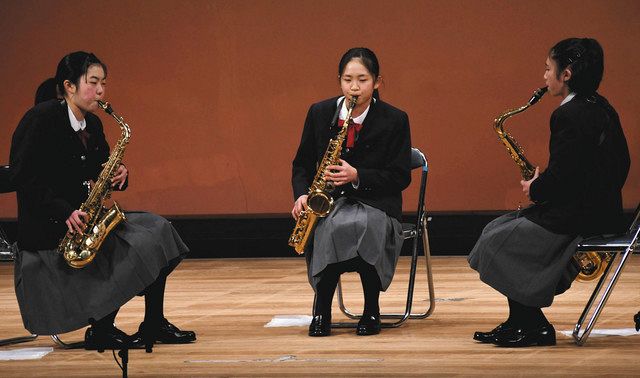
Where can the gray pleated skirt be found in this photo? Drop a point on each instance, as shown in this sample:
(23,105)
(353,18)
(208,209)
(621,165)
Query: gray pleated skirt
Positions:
(355,229)
(523,260)
(55,298)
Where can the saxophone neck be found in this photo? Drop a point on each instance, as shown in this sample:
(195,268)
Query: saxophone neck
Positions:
(347,121)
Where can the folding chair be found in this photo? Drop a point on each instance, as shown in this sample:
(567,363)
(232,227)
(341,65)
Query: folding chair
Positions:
(618,245)
(418,232)
(7,255)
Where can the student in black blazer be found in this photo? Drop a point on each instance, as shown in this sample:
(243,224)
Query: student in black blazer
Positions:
(527,255)
(363,231)
(58,147)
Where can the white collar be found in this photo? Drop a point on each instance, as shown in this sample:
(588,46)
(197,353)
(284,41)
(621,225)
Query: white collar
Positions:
(569,97)
(359,119)
(75,124)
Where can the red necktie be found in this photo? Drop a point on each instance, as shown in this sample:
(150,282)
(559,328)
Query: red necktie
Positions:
(84,137)
(353,128)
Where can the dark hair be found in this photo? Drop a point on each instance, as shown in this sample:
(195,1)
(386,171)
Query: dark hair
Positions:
(46,91)
(368,59)
(584,58)
(73,66)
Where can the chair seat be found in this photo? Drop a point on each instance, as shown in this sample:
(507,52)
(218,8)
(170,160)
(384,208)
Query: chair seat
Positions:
(606,243)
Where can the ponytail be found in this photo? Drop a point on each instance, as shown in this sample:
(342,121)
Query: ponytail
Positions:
(46,91)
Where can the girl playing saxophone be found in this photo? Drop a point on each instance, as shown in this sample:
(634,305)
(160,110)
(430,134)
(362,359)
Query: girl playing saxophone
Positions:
(363,232)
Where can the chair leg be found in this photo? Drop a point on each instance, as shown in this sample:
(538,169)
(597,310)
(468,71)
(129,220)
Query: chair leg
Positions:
(18,340)
(410,290)
(74,345)
(427,257)
(581,339)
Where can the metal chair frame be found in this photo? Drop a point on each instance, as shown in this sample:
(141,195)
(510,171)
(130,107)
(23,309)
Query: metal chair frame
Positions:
(32,337)
(619,245)
(418,232)
(5,187)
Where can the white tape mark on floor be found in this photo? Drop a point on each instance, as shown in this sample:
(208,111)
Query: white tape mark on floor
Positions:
(289,321)
(288,358)
(608,332)
(24,353)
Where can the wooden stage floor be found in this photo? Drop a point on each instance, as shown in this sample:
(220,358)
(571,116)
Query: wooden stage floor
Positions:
(229,301)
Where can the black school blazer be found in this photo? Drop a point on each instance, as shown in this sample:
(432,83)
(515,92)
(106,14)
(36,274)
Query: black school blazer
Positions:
(580,192)
(381,154)
(49,165)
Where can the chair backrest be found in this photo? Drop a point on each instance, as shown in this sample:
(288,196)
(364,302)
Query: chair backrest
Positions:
(5,183)
(418,159)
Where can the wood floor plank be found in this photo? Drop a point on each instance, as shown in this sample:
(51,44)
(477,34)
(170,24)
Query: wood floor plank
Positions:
(228,302)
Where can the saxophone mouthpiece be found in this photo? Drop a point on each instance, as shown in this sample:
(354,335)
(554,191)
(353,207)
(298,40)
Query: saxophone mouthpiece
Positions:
(105,106)
(537,95)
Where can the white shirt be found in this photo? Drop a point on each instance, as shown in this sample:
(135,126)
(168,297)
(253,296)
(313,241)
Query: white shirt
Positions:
(75,124)
(569,97)
(343,112)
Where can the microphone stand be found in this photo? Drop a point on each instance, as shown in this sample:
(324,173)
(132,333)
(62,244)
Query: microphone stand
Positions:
(123,353)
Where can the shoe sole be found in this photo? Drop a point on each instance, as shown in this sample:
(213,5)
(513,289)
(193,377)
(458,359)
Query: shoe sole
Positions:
(540,344)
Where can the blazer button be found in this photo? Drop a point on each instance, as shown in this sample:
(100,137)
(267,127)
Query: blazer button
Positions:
(83,158)
(342,193)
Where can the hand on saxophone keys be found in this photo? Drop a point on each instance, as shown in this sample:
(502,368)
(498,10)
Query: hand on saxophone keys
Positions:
(76,221)
(341,174)
(120,177)
(301,204)
(527,184)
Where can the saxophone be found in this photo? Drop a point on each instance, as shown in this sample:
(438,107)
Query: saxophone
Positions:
(517,153)
(591,264)
(79,249)
(319,201)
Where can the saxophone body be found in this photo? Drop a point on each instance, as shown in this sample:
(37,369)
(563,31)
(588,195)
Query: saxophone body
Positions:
(319,200)
(79,249)
(591,264)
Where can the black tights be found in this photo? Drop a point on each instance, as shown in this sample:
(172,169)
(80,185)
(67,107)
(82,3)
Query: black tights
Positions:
(326,288)
(526,317)
(153,303)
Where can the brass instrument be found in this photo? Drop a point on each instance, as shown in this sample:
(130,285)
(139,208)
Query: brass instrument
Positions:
(79,249)
(527,169)
(319,200)
(591,264)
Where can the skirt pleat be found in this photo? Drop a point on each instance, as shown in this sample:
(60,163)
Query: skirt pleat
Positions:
(355,229)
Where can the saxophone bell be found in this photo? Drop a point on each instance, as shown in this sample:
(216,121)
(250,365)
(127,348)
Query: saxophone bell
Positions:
(320,203)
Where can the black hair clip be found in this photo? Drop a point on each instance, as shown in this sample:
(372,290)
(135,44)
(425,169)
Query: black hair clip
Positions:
(575,57)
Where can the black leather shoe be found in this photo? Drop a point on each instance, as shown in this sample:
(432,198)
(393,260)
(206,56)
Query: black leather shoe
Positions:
(368,325)
(165,333)
(112,338)
(320,326)
(541,336)
(637,319)
(487,337)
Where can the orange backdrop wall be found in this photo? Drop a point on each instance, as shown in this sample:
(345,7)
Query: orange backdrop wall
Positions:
(216,92)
